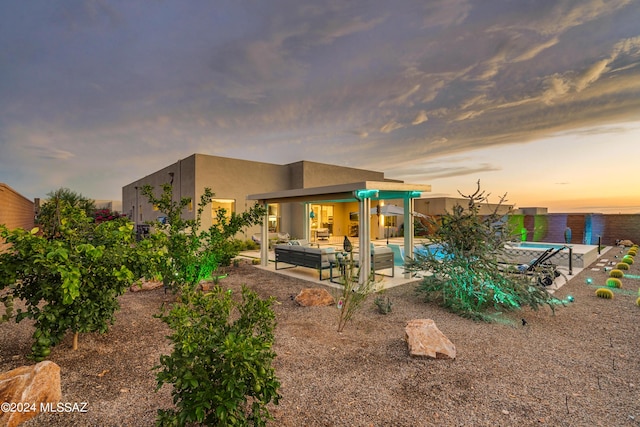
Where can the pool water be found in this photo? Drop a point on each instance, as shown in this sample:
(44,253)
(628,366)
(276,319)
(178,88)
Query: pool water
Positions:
(534,245)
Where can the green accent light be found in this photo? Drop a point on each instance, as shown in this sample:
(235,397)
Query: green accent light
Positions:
(589,280)
(631,276)
(415,194)
(362,194)
(570,298)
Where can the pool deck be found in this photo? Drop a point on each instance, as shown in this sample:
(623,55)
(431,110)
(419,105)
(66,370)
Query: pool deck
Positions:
(587,254)
(582,255)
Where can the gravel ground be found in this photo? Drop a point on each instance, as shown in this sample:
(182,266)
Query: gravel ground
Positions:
(579,367)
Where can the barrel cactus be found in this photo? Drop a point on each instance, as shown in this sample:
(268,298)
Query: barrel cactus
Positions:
(613,282)
(616,273)
(622,266)
(604,293)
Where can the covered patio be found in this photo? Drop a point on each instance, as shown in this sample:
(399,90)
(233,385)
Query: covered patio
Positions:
(361,192)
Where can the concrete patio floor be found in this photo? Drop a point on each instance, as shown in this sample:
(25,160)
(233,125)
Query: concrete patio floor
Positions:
(385,281)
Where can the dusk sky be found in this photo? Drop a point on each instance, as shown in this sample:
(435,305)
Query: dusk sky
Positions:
(537,99)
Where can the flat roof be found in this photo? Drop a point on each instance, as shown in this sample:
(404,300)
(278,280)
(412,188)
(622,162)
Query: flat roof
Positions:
(376,190)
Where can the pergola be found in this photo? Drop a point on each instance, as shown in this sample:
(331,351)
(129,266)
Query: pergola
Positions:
(361,192)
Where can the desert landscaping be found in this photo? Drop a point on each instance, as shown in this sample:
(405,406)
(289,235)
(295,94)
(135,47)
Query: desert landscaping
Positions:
(577,367)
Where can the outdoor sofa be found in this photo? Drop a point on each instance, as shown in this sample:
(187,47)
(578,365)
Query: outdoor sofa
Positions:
(305,256)
(325,258)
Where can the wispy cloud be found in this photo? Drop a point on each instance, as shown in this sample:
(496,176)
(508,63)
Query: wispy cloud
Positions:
(375,86)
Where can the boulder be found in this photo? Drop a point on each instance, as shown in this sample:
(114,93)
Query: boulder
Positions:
(313,297)
(30,385)
(425,340)
(145,286)
(625,243)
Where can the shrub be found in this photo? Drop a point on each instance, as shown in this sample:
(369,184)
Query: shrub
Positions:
(613,282)
(353,293)
(632,252)
(627,259)
(604,293)
(468,277)
(70,281)
(220,367)
(616,273)
(384,304)
(622,266)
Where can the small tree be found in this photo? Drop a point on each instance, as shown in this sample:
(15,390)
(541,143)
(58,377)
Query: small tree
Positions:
(192,253)
(70,281)
(220,366)
(468,276)
(51,212)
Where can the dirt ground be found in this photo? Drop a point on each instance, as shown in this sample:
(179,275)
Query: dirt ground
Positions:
(579,367)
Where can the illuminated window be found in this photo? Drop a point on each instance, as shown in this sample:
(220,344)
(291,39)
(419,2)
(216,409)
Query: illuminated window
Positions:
(390,221)
(219,205)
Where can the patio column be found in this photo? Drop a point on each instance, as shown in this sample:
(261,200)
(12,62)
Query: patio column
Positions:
(264,238)
(306,223)
(364,240)
(408,228)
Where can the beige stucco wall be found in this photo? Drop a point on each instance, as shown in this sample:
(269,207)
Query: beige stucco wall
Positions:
(442,205)
(236,179)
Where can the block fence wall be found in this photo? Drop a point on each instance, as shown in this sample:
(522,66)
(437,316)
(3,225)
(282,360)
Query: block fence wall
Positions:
(585,228)
(16,211)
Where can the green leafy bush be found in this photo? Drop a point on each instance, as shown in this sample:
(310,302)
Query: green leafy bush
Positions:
(70,280)
(467,274)
(192,254)
(220,367)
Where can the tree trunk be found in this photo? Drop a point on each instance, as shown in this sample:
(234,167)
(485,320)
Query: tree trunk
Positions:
(75,341)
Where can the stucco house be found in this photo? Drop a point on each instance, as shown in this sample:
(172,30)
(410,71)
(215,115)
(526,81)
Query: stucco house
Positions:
(233,181)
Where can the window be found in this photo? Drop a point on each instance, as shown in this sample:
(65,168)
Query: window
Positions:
(219,205)
(274,218)
(390,221)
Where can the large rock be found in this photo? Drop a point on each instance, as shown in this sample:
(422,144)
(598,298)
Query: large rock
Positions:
(425,340)
(30,385)
(312,297)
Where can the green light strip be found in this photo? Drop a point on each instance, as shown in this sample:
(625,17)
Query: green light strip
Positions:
(631,276)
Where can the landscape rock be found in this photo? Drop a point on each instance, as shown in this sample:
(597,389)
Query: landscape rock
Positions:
(146,286)
(314,297)
(425,340)
(30,385)
(625,243)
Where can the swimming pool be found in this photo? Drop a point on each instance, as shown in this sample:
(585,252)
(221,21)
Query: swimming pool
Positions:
(539,245)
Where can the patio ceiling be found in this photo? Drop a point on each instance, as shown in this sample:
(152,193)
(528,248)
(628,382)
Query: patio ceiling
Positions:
(374,190)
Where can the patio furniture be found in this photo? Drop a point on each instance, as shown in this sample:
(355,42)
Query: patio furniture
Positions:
(305,256)
(273,238)
(381,258)
(322,234)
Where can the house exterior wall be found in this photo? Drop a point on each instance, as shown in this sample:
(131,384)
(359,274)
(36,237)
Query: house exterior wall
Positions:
(442,205)
(236,179)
